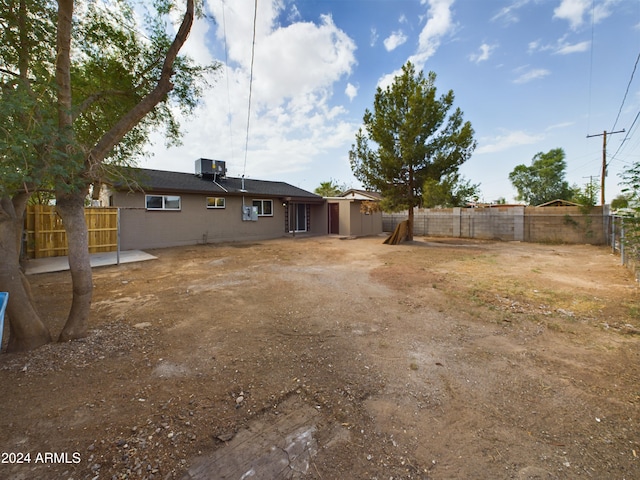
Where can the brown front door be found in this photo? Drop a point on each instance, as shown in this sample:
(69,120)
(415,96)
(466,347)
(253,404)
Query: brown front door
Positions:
(334,219)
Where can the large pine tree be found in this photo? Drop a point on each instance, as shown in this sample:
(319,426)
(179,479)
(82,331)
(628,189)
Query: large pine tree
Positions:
(411,136)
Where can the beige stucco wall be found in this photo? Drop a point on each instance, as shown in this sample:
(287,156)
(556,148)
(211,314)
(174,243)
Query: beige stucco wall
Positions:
(364,224)
(344,218)
(319,219)
(196,224)
(352,222)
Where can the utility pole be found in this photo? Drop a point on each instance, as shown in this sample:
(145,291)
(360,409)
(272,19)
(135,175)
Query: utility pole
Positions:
(604,159)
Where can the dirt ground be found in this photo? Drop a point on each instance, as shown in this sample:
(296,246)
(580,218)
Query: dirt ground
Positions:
(328,358)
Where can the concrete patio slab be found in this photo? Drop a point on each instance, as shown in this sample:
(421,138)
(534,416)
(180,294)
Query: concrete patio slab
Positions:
(59,264)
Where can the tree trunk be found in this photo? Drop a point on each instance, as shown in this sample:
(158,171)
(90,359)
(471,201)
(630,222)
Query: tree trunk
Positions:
(412,202)
(26,330)
(410,225)
(71,205)
(71,209)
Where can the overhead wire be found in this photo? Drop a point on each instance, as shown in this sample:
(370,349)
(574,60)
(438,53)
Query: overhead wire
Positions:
(253,48)
(626,92)
(625,139)
(629,130)
(590,66)
(226,63)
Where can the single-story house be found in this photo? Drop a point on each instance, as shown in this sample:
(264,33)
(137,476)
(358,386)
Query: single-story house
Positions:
(163,209)
(355,213)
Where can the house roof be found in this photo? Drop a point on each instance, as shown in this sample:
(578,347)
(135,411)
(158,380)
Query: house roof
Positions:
(361,195)
(177,182)
(559,203)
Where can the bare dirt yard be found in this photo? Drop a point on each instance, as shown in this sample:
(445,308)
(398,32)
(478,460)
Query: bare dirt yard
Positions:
(328,358)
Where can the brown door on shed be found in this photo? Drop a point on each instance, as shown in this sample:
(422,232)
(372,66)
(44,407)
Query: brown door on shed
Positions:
(334,219)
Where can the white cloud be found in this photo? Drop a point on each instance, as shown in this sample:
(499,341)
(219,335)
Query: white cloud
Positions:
(484,54)
(534,46)
(572,11)
(386,80)
(509,14)
(351,91)
(294,14)
(567,49)
(394,40)
(575,11)
(301,58)
(291,120)
(560,125)
(603,10)
(506,141)
(561,47)
(373,37)
(439,24)
(530,75)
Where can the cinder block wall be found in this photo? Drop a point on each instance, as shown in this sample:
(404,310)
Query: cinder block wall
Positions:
(566,225)
(528,224)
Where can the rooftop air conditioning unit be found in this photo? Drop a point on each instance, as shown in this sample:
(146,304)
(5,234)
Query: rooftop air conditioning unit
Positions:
(210,168)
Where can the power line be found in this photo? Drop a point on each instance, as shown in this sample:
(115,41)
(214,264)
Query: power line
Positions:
(593,7)
(626,137)
(226,64)
(626,92)
(253,48)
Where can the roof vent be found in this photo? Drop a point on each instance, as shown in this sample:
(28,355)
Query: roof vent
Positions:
(210,168)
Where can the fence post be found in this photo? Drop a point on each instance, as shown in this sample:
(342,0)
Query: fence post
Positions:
(605,219)
(613,234)
(36,231)
(118,236)
(622,252)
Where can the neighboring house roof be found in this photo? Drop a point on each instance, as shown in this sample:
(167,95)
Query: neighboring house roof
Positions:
(494,205)
(176,182)
(559,203)
(361,195)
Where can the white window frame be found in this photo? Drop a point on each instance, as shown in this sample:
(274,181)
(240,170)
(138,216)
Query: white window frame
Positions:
(218,202)
(260,203)
(165,200)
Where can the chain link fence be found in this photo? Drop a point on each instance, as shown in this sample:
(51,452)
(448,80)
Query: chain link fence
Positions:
(625,241)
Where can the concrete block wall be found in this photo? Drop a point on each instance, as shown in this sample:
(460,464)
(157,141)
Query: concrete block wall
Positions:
(528,224)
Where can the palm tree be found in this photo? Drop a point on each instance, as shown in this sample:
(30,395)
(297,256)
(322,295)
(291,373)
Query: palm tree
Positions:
(328,189)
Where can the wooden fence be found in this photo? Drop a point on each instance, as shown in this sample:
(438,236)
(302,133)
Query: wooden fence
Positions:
(46,237)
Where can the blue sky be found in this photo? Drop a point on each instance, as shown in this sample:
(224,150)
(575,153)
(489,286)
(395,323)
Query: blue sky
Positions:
(530,76)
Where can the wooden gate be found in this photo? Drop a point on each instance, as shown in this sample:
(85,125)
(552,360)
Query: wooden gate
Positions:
(46,237)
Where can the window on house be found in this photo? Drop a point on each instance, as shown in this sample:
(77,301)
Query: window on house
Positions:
(162,202)
(215,202)
(265,207)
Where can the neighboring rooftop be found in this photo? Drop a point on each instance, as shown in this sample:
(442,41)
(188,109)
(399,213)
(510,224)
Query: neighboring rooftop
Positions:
(559,203)
(361,194)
